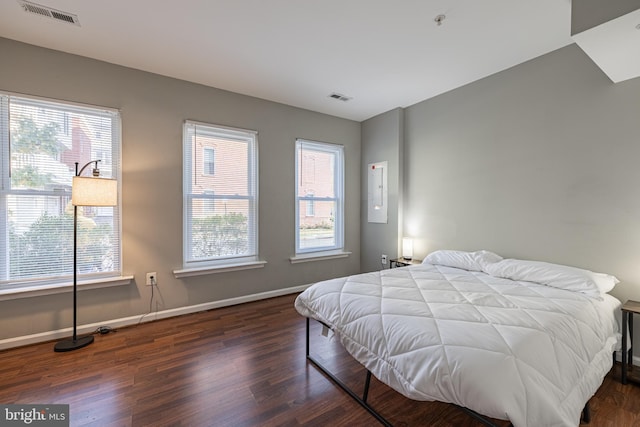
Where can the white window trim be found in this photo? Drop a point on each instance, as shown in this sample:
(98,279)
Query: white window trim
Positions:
(63,287)
(49,287)
(190,272)
(202,267)
(339,184)
(319,256)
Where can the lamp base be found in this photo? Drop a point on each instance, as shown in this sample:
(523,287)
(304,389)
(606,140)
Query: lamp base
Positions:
(71,344)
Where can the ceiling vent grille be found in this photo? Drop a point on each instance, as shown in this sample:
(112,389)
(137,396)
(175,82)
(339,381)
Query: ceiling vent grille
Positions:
(41,10)
(340,97)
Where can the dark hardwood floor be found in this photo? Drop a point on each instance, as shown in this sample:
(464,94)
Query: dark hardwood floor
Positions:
(235,366)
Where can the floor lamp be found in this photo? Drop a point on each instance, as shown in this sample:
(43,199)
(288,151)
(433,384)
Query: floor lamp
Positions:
(85,191)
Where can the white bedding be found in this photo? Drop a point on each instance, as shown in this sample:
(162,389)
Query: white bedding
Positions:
(521,351)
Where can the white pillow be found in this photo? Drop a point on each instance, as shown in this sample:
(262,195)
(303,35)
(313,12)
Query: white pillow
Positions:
(555,275)
(472,261)
(605,282)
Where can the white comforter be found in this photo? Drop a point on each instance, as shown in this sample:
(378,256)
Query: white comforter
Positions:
(520,351)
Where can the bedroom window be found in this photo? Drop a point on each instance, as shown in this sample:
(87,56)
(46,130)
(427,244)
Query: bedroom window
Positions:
(319,197)
(221,209)
(40,142)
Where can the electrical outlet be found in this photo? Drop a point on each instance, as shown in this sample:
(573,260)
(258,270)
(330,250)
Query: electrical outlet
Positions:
(152,279)
(383,259)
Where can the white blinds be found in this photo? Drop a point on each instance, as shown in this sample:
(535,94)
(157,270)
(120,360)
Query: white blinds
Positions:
(41,142)
(220,195)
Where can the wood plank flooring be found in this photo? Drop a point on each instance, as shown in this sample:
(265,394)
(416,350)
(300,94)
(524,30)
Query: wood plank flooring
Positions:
(235,366)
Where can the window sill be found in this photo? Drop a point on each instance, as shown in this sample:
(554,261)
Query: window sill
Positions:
(188,272)
(318,256)
(58,288)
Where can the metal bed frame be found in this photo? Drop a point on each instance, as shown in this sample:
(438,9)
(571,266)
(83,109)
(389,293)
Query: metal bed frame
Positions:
(586,413)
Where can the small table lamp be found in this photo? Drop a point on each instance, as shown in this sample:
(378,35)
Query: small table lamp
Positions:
(407,248)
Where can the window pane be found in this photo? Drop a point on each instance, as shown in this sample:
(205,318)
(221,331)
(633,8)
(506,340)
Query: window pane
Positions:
(317,231)
(316,172)
(231,175)
(40,236)
(219,232)
(47,141)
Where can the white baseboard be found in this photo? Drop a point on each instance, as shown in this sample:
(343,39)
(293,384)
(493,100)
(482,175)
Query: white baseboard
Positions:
(143,318)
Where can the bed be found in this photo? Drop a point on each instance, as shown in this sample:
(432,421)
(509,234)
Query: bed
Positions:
(524,341)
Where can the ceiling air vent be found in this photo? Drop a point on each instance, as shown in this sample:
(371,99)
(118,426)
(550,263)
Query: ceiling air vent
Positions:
(340,97)
(41,10)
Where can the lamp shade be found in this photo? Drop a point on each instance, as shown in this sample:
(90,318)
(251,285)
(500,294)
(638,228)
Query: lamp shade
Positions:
(87,191)
(407,247)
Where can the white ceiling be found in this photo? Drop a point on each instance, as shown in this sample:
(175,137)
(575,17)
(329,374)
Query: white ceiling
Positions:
(382,53)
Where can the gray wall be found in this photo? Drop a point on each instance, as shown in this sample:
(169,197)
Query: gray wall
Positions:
(586,14)
(539,161)
(153,109)
(382,139)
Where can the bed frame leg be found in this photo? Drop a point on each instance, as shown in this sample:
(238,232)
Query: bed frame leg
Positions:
(307,346)
(367,382)
(586,414)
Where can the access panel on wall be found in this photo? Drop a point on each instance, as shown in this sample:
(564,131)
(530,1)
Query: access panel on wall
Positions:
(377,193)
